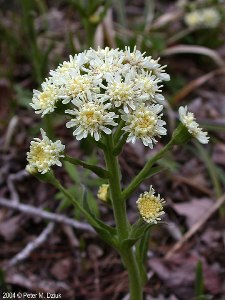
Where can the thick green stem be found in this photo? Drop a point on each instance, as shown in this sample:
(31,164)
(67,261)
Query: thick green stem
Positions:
(135,286)
(119,206)
(122,225)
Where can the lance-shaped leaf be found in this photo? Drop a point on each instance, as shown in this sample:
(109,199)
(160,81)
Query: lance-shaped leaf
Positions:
(137,231)
(141,255)
(102,173)
(107,233)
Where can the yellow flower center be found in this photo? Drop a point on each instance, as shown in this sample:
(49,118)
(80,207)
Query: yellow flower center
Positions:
(39,153)
(149,207)
(102,192)
(80,84)
(121,91)
(147,121)
(46,97)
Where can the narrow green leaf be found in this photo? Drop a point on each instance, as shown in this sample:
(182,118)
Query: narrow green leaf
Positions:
(213,125)
(199,283)
(205,157)
(106,232)
(72,172)
(137,231)
(141,255)
(102,173)
(155,170)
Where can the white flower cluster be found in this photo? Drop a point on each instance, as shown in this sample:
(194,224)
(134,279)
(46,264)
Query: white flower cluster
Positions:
(203,18)
(102,86)
(43,154)
(188,119)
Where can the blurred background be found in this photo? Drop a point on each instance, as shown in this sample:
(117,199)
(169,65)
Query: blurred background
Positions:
(45,244)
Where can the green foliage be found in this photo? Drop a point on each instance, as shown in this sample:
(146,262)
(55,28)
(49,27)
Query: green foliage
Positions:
(79,181)
(211,167)
(23,96)
(3,285)
(137,231)
(199,283)
(106,232)
(92,14)
(141,255)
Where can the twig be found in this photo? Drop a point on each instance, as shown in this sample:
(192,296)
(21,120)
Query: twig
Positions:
(10,131)
(181,179)
(179,49)
(10,182)
(99,36)
(108,27)
(74,242)
(55,217)
(30,247)
(196,227)
(34,283)
(196,83)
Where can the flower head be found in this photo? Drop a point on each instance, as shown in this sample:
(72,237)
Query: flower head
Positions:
(203,18)
(211,17)
(45,101)
(43,154)
(144,123)
(78,85)
(103,192)
(123,92)
(104,85)
(91,117)
(188,119)
(150,206)
(149,87)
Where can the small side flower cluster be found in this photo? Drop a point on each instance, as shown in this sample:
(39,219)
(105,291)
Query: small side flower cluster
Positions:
(103,192)
(150,206)
(43,154)
(188,119)
(203,18)
(99,87)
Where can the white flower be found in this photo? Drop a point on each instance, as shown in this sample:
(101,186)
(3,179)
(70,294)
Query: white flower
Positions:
(78,85)
(91,117)
(123,92)
(149,87)
(150,206)
(43,154)
(140,61)
(136,58)
(161,73)
(206,17)
(144,123)
(45,101)
(193,19)
(103,85)
(74,63)
(211,17)
(104,63)
(188,119)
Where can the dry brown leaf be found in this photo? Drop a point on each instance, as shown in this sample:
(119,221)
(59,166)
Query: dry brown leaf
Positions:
(61,269)
(193,210)
(179,273)
(194,84)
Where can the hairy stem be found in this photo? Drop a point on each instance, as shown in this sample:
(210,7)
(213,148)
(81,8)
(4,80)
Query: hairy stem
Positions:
(122,225)
(119,206)
(135,286)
